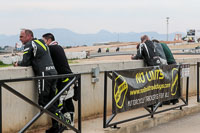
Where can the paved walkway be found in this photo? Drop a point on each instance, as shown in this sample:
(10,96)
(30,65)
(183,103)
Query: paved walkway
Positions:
(96,125)
(187,124)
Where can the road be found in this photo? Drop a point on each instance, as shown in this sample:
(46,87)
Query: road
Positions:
(112,53)
(187,124)
(190,52)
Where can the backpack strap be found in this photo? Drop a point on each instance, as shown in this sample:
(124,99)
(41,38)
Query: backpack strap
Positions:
(145,46)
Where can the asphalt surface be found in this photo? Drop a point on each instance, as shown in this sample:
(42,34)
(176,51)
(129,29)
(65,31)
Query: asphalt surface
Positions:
(187,124)
(190,52)
(112,53)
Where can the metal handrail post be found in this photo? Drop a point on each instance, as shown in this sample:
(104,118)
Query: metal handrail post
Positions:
(105,100)
(1,109)
(180,79)
(187,89)
(152,111)
(198,81)
(79,105)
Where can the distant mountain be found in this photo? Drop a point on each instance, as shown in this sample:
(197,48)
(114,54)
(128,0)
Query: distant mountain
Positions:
(66,37)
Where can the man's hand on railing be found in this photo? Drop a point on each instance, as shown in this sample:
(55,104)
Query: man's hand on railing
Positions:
(15,64)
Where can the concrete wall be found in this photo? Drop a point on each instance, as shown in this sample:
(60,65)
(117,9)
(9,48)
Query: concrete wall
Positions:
(16,113)
(76,55)
(9,59)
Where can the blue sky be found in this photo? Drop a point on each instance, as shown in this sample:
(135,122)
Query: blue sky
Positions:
(90,16)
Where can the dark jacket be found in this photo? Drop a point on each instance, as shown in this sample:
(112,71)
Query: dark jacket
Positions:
(59,59)
(36,54)
(168,54)
(148,52)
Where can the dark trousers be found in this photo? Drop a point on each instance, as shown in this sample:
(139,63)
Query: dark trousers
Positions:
(47,90)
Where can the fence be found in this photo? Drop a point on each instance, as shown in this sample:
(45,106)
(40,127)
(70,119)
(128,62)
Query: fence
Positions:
(182,72)
(198,98)
(75,78)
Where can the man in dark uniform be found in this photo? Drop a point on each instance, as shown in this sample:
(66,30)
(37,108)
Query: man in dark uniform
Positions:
(61,65)
(36,54)
(147,51)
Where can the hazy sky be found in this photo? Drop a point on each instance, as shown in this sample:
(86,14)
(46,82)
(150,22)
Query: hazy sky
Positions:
(90,16)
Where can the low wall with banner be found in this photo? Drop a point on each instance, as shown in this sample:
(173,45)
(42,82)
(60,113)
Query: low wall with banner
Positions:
(16,113)
(144,86)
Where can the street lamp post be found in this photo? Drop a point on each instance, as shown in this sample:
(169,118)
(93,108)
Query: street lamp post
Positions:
(167,26)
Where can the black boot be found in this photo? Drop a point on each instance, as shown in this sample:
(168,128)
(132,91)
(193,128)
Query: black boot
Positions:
(166,103)
(54,128)
(174,101)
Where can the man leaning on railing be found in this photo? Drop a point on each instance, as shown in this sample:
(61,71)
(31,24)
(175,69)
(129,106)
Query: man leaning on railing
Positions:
(36,54)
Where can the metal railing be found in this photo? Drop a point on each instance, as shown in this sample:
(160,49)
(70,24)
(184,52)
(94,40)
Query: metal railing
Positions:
(151,111)
(198,98)
(75,78)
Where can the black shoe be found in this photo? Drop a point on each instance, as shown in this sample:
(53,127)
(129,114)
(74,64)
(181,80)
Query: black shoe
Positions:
(174,101)
(150,106)
(166,103)
(52,130)
(62,128)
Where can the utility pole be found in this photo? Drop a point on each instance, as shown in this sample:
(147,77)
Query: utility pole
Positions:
(167,26)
